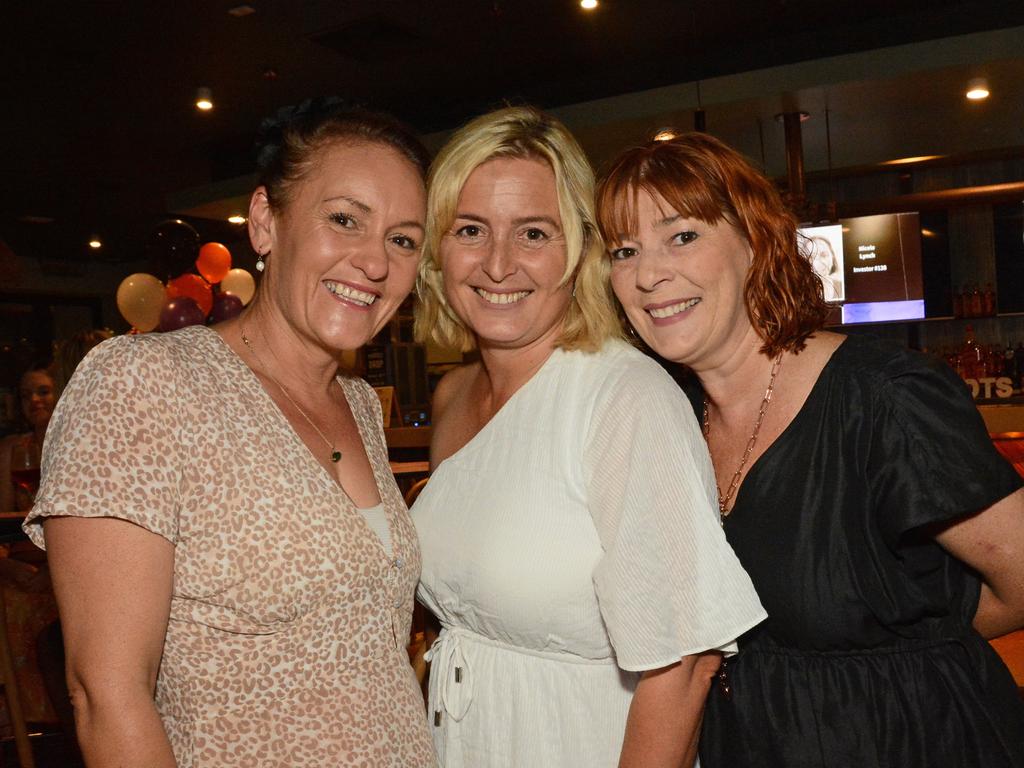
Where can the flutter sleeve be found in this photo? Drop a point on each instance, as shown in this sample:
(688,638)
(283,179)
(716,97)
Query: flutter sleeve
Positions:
(931,458)
(114,446)
(668,583)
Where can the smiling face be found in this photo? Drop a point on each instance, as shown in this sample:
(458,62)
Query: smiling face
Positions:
(680,282)
(345,246)
(38,397)
(504,256)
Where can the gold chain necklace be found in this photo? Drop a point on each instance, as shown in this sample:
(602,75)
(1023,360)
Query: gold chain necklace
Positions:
(335,453)
(723,500)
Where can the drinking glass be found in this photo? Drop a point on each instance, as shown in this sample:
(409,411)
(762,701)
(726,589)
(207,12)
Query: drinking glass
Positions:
(25,474)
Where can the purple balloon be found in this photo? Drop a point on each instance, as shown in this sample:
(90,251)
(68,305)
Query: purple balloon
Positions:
(179,312)
(225,306)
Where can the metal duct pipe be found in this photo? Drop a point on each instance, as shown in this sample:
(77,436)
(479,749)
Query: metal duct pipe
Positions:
(795,157)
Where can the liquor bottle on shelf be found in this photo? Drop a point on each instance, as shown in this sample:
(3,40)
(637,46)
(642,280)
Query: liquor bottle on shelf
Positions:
(988,301)
(971,356)
(976,302)
(1018,366)
(958,303)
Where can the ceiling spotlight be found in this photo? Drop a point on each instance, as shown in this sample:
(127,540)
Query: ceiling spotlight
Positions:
(911,160)
(241,11)
(204,99)
(588,5)
(237,219)
(665,134)
(977,89)
(95,244)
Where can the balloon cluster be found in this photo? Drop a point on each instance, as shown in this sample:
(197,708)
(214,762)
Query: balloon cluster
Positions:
(187,298)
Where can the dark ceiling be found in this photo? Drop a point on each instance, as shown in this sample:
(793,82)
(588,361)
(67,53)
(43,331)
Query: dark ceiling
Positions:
(99,125)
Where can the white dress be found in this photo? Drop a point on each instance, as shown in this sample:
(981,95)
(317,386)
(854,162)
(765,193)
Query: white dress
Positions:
(571,544)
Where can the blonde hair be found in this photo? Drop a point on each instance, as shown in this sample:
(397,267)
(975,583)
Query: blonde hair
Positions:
(518,132)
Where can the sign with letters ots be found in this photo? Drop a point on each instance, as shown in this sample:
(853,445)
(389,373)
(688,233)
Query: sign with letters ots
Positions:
(990,387)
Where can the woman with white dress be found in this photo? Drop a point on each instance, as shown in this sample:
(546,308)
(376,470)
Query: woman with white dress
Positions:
(570,538)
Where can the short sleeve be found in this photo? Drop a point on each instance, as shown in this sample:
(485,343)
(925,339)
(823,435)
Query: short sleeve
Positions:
(668,583)
(931,458)
(113,447)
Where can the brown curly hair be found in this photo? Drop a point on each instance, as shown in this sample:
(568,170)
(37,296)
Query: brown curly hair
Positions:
(703,178)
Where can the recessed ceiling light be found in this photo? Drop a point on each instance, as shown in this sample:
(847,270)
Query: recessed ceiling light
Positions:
(95,244)
(237,219)
(977,89)
(204,99)
(588,5)
(665,134)
(911,160)
(240,11)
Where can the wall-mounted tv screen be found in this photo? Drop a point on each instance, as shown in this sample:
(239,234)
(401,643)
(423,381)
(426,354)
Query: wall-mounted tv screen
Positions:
(870,266)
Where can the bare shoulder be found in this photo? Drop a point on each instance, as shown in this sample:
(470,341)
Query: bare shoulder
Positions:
(8,443)
(824,343)
(451,425)
(815,356)
(449,390)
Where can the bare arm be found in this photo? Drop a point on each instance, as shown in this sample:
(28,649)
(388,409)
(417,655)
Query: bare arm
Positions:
(665,716)
(992,542)
(113,583)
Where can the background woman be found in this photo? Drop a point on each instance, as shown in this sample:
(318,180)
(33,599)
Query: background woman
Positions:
(220,517)
(826,266)
(571,548)
(857,485)
(38,396)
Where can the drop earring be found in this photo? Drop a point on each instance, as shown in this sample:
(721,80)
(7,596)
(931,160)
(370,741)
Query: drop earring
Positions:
(261,261)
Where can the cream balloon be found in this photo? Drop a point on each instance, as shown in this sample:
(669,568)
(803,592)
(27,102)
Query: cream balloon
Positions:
(240,283)
(140,297)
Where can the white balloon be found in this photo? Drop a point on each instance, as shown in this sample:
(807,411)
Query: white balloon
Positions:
(140,298)
(240,283)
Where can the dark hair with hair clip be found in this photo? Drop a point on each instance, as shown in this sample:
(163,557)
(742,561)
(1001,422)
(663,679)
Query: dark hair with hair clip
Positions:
(288,141)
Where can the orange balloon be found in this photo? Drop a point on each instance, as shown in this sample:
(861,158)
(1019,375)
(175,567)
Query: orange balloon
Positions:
(194,287)
(214,262)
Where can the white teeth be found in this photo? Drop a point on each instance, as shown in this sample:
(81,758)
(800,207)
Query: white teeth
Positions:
(675,309)
(359,297)
(501,298)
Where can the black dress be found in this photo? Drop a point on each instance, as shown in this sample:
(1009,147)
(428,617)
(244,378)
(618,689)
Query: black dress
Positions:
(868,657)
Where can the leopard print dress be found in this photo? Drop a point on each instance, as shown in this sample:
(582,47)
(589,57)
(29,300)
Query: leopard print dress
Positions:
(288,622)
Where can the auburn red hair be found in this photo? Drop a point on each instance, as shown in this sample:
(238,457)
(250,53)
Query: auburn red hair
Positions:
(702,178)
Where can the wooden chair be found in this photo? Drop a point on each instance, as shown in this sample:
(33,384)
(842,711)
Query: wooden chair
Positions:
(414,491)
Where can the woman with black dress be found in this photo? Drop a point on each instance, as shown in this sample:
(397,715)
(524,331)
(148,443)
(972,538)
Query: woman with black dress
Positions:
(857,483)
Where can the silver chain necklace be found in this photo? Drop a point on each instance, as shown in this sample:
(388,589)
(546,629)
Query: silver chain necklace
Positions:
(335,453)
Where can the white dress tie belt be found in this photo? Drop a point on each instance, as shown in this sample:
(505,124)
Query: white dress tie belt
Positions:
(451,680)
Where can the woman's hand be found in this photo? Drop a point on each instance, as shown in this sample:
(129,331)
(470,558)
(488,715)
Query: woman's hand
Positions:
(664,720)
(113,582)
(992,543)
